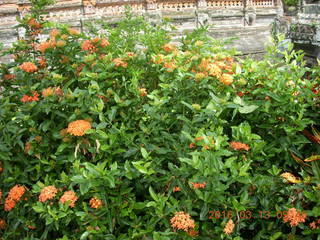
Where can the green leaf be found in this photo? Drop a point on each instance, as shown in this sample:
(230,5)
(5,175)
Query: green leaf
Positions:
(153,194)
(38,209)
(238,100)
(276,236)
(84,235)
(144,153)
(248,109)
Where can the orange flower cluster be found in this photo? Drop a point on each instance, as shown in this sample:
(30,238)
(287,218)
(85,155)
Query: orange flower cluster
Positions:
(31,227)
(199,185)
(42,62)
(88,46)
(193,233)
(61,43)
(34,24)
(120,63)
(228,229)
(95,203)
(205,147)
(182,221)
(70,197)
(28,67)
(13,197)
(215,67)
(290,177)
(78,127)
(42,47)
(294,217)
(158,59)
(50,91)
(91,45)
(168,48)
(131,54)
(3,224)
(143,92)
(27,98)
(48,193)
(170,66)
(54,33)
(176,189)
(226,79)
(239,146)
(73,31)
(315,224)
(9,76)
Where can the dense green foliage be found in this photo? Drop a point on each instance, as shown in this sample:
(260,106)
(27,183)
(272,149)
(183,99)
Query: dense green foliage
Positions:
(172,128)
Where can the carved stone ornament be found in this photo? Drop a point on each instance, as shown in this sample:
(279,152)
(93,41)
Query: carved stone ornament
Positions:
(151,4)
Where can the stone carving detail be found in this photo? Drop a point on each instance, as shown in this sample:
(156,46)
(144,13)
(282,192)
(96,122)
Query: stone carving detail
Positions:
(151,4)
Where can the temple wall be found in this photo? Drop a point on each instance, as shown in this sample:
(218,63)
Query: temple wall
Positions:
(247,19)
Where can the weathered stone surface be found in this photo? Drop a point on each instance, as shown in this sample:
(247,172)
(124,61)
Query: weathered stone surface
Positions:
(249,19)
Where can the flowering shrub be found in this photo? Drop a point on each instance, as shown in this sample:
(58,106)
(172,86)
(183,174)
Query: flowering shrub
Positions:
(127,135)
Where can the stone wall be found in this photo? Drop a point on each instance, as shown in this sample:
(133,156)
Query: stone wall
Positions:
(247,19)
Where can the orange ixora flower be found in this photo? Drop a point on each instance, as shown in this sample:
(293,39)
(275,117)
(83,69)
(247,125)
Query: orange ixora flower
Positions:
(48,193)
(54,33)
(199,185)
(182,221)
(228,229)
(143,92)
(42,62)
(214,70)
(176,189)
(70,197)
(3,224)
(88,46)
(130,54)
(33,23)
(313,225)
(9,204)
(226,79)
(193,233)
(9,76)
(48,92)
(27,98)
(158,59)
(119,63)
(239,146)
(169,47)
(104,43)
(290,177)
(294,217)
(95,203)
(42,47)
(13,197)
(73,31)
(78,127)
(16,192)
(28,67)
(170,66)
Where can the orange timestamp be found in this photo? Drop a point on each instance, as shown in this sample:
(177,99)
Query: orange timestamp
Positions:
(246,214)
